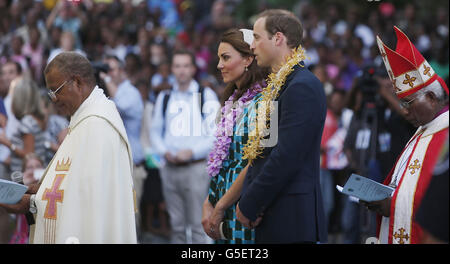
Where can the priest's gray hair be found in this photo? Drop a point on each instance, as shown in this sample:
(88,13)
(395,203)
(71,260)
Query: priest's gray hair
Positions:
(436,88)
(73,64)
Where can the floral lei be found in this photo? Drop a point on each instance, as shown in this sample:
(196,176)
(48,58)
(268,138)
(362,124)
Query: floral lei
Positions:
(275,81)
(224,130)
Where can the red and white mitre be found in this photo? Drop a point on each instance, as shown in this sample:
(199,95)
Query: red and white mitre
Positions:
(407,68)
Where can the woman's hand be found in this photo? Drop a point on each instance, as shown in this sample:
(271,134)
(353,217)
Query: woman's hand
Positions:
(214,222)
(206,213)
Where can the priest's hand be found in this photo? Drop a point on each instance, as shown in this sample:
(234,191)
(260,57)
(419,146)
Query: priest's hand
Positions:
(33,188)
(382,207)
(21,207)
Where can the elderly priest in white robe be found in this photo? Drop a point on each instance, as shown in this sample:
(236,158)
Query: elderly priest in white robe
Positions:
(86,194)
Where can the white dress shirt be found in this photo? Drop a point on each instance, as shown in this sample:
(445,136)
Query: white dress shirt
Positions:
(184,127)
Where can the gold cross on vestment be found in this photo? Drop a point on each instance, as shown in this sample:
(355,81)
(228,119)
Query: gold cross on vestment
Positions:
(409,80)
(401,236)
(427,70)
(414,167)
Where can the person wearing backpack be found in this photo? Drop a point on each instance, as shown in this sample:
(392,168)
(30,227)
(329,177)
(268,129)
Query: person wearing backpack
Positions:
(182,132)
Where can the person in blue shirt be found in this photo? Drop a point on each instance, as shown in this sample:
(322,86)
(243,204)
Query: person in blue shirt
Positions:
(130,106)
(3,113)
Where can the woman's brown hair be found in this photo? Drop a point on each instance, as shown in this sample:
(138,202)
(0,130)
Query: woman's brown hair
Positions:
(235,38)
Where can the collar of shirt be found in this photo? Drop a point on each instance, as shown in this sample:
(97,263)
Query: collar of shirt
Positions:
(193,87)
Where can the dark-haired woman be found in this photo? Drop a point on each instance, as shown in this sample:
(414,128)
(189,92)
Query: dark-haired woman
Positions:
(226,167)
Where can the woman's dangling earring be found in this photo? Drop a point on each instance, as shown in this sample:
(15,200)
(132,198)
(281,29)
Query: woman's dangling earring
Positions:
(246,68)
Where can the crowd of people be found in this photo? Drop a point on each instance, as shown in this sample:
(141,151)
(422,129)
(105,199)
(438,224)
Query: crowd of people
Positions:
(146,54)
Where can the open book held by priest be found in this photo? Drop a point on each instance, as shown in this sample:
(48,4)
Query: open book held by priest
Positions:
(11,192)
(365,189)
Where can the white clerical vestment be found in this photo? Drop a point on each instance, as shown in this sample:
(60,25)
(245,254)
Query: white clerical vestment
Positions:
(412,174)
(87,194)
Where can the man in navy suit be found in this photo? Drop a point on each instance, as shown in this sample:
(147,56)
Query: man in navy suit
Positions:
(281,195)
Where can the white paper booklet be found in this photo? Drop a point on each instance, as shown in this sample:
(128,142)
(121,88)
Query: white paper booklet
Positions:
(365,189)
(11,192)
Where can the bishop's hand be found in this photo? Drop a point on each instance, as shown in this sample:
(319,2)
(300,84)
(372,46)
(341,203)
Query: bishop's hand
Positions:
(22,207)
(33,188)
(382,207)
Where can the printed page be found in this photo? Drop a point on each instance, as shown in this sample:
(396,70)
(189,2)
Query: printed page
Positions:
(366,189)
(11,192)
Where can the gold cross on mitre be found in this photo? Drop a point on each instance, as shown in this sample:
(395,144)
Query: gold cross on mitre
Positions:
(401,235)
(409,80)
(414,167)
(427,70)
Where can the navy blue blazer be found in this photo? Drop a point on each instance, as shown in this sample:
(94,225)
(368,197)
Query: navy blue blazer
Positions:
(283,184)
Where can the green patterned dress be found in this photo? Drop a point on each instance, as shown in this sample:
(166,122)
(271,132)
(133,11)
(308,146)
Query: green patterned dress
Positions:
(231,167)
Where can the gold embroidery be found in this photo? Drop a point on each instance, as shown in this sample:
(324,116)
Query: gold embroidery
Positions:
(414,167)
(63,166)
(134,200)
(408,80)
(427,70)
(401,235)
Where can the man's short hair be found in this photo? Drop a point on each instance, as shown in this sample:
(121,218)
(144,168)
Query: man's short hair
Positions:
(18,66)
(73,64)
(279,20)
(184,52)
(114,57)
